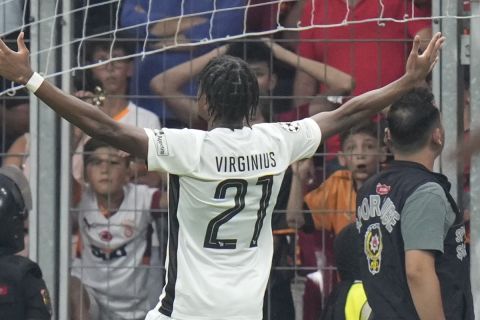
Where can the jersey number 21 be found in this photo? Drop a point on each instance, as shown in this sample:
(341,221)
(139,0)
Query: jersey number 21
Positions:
(211,240)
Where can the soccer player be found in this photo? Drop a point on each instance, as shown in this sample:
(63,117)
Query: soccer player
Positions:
(223,182)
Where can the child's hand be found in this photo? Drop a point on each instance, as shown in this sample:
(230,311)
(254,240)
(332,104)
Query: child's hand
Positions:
(305,171)
(86,96)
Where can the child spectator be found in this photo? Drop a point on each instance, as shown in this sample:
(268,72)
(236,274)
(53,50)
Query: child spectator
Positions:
(114,219)
(262,55)
(333,203)
(113,80)
(171,22)
(332,207)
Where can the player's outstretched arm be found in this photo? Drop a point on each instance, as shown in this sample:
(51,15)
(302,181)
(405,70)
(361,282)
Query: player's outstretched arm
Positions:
(15,66)
(169,84)
(361,107)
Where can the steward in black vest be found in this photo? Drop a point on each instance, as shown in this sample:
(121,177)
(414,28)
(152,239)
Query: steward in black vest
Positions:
(382,263)
(23,294)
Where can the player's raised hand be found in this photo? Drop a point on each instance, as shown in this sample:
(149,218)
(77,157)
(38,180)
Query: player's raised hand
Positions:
(15,65)
(419,65)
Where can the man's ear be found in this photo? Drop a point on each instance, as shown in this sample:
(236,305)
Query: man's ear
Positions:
(437,137)
(341,159)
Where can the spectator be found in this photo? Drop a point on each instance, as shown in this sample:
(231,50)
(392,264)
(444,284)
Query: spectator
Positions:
(112,97)
(259,56)
(14,118)
(347,301)
(167,27)
(114,219)
(333,203)
(264,15)
(370,51)
(101,14)
(372,63)
(332,207)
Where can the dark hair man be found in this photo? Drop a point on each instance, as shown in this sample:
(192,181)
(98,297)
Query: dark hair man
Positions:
(23,293)
(222,180)
(414,263)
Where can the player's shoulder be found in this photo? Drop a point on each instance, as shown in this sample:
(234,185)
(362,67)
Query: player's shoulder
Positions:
(304,127)
(288,126)
(171,135)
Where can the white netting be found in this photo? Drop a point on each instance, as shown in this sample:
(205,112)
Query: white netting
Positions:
(160,27)
(14,18)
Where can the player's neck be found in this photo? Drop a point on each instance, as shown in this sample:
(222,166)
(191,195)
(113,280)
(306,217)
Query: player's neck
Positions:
(221,123)
(113,105)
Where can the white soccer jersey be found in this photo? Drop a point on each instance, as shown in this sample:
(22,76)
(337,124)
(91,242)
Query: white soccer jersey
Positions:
(223,187)
(113,251)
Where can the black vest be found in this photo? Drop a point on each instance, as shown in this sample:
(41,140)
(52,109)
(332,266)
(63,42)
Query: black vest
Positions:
(379,207)
(13,269)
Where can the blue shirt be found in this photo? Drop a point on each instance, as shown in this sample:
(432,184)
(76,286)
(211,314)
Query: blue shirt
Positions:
(224,23)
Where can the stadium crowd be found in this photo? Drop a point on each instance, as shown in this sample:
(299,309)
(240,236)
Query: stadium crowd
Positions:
(119,209)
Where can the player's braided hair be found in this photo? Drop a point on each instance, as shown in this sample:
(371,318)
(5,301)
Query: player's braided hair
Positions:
(230,89)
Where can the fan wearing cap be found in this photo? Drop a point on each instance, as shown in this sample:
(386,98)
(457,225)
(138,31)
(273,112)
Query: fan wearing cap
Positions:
(23,293)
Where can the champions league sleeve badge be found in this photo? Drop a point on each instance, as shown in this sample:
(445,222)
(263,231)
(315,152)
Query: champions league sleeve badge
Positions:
(290,126)
(161,143)
(373,247)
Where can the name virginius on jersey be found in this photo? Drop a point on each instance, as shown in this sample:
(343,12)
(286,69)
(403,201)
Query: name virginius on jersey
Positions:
(246,163)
